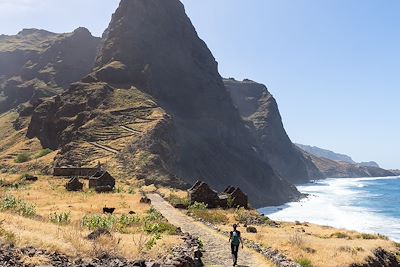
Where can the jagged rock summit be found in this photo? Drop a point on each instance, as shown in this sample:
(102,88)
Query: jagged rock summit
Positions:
(155,107)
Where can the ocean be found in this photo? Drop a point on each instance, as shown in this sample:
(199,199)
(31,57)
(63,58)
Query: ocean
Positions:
(369,205)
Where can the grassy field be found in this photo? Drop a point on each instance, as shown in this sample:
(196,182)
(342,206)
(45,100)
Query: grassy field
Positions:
(47,216)
(305,243)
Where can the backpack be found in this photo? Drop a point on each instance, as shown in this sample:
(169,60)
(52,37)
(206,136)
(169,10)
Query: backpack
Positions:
(235,238)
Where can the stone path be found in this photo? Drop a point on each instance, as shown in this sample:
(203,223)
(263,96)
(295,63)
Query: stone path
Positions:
(216,246)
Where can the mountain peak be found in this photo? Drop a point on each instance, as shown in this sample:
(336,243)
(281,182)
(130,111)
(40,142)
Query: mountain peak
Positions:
(82,31)
(31,31)
(155,75)
(149,37)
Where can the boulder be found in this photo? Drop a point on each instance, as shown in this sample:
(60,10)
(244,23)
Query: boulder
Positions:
(251,229)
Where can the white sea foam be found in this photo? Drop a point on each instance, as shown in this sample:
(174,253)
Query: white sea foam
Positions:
(330,202)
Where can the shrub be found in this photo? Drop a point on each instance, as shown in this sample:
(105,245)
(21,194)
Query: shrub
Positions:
(230,202)
(304,262)
(22,157)
(94,222)
(200,211)
(129,220)
(197,206)
(153,215)
(155,223)
(18,206)
(368,236)
(63,218)
(159,228)
(119,189)
(131,190)
(42,153)
(340,235)
(296,240)
(179,202)
(151,223)
(152,242)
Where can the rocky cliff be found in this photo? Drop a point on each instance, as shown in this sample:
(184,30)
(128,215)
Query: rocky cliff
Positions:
(340,169)
(156,107)
(37,63)
(259,110)
(335,165)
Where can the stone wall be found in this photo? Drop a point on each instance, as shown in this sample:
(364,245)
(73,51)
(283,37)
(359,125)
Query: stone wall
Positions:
(67,172)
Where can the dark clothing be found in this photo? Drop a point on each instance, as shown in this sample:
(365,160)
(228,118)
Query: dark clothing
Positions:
(235,242)
(235,250)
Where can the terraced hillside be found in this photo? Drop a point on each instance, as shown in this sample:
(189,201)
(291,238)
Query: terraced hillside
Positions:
(155,108)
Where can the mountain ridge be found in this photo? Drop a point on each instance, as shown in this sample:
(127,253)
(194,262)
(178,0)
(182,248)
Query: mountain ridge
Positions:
(187,126)
(342,167)
(37,63)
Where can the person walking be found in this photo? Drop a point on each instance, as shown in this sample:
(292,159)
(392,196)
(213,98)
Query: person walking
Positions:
(235,239)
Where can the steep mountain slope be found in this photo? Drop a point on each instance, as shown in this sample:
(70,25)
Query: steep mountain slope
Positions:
(336,165)
(340,169)
(369,164)
(37,63)
(324,153)
(259,110)
(156,108)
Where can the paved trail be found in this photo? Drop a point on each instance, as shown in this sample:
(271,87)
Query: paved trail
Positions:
(216,246)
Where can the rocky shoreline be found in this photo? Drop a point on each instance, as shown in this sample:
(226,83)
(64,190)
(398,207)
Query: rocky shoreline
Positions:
(188,254)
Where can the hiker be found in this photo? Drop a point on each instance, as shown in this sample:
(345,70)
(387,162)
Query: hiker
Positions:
(235,239)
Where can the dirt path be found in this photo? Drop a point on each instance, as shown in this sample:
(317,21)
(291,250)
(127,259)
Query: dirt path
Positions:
(216,246)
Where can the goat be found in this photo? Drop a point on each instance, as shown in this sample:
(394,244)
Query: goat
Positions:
(108,210)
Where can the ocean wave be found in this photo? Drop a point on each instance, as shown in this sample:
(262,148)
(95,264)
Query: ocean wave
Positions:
(342,203)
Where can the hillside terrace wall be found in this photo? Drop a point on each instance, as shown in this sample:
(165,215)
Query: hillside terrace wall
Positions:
(66,171)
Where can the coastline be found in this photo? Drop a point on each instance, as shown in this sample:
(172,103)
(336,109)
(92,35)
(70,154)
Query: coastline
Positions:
(344,203)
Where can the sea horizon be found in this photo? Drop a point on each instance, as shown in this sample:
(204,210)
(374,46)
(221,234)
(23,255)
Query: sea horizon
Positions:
(367,205)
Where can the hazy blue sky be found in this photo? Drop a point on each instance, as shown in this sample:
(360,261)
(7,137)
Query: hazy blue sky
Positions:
(333,65)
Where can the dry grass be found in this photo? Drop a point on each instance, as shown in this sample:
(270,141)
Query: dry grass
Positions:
(323,246)
(49,196)
(35,261)
(167,192)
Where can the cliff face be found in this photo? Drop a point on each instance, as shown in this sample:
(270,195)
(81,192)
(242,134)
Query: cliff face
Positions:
(156,105)
(340,169)
(259,110)
(37,63)
(334,165)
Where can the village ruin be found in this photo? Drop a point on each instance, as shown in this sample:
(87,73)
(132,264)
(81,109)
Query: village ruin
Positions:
(231,197)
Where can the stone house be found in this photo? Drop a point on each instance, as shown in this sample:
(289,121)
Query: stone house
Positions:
(201,192)
(74,185)
(232,197)
(102,182)
(236,196)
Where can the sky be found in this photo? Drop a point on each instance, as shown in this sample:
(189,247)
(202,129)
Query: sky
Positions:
(332,65)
